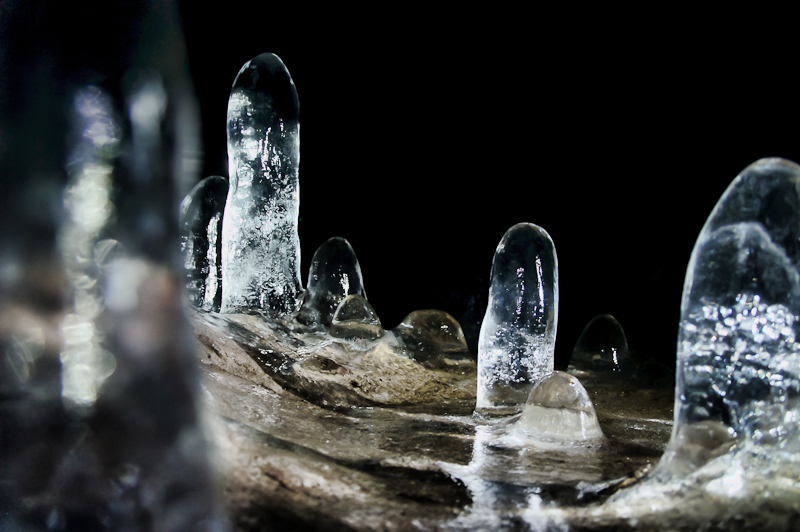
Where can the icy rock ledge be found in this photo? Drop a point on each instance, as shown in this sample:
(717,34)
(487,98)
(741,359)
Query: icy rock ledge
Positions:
(328,371)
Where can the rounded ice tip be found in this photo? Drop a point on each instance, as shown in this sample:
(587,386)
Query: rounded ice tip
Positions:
(267,74)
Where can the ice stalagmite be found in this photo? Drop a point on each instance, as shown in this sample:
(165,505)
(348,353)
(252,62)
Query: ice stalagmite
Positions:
(201,241)
(261,247)
(433,338)
(601,346)
(100,414)
(738,368)
(518,334)
(334,274)
(559,411)
(356,319)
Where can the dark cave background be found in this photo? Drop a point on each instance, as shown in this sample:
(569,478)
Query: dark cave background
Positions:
(427,134)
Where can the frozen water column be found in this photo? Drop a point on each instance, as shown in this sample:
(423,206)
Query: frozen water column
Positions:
(738,367)
(518,334)
(261,247)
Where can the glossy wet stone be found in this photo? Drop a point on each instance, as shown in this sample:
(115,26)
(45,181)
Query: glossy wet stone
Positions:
(411,452)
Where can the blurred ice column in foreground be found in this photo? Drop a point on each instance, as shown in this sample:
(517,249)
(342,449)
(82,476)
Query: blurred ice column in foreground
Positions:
(98,382)
(261,247)
(738,368)
(518,334)
(201,241)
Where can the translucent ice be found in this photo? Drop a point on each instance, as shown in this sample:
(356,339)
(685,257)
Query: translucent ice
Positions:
(334,274)
(518,334)
(433,337)
(201,241)
(355,318)
(559,410)
(101,426)
(261,247)
(738,358)
(601,346)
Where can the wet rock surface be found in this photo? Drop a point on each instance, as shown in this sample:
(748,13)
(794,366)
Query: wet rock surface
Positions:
(314,433)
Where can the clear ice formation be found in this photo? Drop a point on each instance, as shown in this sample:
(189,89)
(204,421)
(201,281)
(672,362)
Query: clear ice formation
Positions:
(738,357)
(601,346)
(558,410)
(518,334)
(201,241)
(261,246)
(100,414)
(356,319)
(433,338)
(334,274)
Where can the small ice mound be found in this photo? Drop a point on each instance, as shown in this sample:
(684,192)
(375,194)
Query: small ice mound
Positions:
(334,274)
(356,319)
(559,411)
(694,445)
(434,338)
(602,346)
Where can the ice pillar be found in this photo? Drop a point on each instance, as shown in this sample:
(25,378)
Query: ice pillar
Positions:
(518,334)
(261,247)
(738,367)
(201,241)
(334,274)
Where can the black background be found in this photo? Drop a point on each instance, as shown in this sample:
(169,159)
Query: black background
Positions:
(427,134)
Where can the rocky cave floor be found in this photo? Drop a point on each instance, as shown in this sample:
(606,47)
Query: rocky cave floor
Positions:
(323,434)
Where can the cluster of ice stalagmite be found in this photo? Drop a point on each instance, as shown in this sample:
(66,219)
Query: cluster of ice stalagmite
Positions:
(738,366)
(518,334)
(738,371)
(260,243)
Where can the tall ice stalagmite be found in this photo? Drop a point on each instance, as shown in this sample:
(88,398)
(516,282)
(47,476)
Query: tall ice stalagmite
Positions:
(261,247)
(738,368)
(518,334)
